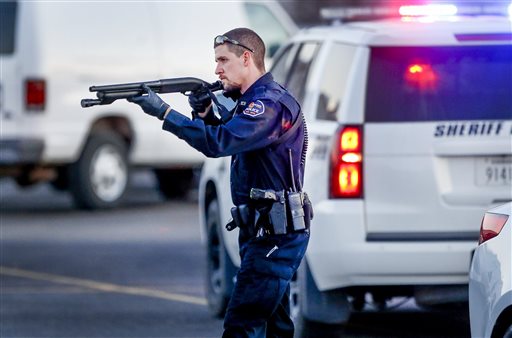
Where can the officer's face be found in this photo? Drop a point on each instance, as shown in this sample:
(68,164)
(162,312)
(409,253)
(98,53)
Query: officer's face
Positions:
(230,68)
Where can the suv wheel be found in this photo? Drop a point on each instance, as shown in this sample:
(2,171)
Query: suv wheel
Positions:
(99,179)
(220,270)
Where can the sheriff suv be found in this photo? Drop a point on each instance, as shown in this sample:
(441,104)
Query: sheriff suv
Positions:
(410,129)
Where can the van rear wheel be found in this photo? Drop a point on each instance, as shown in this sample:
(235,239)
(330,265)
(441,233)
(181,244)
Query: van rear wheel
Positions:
(99,179)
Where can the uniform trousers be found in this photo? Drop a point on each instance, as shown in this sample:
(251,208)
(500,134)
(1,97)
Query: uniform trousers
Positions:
(259,306)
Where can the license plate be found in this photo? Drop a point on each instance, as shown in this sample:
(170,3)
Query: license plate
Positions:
(494,171)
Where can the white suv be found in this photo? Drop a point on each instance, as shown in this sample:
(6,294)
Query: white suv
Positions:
(410,128)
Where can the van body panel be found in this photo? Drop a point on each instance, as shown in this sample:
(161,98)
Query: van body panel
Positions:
(59,49)
(73,45)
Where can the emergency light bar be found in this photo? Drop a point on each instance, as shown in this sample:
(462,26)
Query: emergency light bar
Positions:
(338,14)
(428,10)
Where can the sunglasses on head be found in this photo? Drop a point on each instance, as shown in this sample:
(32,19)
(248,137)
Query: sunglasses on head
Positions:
(222,39)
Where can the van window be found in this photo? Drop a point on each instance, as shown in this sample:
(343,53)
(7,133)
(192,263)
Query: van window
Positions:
(7,26)
(334,80)
(439,83)
(263,21)
(292,68)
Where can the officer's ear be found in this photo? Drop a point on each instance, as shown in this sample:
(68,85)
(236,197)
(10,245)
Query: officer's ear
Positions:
(246,57)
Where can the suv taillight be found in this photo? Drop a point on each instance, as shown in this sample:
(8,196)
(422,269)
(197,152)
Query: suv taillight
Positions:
(492,224)
(35,94)
(346,179)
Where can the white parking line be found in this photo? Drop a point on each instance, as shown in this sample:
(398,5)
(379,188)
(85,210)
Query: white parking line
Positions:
(100,286)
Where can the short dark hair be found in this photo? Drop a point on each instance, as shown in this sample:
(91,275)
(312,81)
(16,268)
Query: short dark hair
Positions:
(250,39)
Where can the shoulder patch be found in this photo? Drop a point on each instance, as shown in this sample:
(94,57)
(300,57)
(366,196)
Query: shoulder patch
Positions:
(254,108)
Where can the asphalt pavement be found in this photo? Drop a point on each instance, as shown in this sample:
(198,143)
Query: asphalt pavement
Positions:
(137,271)
(132,272)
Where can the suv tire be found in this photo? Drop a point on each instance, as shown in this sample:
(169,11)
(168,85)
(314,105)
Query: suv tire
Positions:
(303,326)
(220,269)
(317,311)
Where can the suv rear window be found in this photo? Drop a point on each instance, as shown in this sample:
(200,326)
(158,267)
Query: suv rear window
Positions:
(7,26)
(439,83)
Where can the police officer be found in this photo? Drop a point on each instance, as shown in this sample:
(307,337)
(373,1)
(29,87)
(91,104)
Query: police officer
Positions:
(264,134)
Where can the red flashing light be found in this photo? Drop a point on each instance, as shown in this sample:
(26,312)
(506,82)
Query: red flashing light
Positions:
(346,164)
(492,224)
(421,75)
(35,94)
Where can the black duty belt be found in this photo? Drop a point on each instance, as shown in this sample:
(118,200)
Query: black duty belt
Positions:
(284,212)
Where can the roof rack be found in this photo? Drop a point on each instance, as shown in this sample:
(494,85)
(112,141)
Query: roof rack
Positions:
(338,15)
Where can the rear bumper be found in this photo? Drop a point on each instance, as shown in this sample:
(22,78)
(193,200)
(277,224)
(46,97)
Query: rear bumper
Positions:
(340,255)
(20,151)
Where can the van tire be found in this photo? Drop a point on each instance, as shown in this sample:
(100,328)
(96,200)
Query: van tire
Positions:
(99,179)
(220,270)
(174,183)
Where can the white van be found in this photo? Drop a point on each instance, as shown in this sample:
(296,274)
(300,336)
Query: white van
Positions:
(52,52)
(410,141)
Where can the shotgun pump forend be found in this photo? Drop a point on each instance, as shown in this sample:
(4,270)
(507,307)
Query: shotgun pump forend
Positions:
(109,93)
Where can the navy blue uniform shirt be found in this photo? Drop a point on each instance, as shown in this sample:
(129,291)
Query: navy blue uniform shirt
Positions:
(263,113)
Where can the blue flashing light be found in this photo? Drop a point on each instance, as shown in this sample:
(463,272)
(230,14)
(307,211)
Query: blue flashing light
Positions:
(428,10)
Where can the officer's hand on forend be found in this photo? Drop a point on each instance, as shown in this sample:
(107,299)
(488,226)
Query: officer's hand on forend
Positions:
(199,101)
(151,103)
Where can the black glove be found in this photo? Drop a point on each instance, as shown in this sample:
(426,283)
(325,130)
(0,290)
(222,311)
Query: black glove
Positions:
(199,101)
(151,103)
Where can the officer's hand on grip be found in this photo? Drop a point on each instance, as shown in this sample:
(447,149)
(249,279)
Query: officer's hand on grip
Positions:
(199,101)
(150,103)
